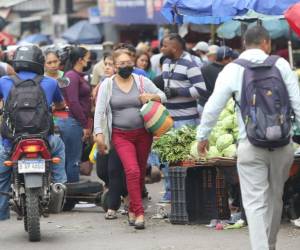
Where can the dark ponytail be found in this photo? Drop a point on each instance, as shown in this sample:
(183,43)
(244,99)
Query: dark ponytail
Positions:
(75,53)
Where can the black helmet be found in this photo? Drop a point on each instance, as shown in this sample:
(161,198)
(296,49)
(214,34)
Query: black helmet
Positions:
(29,58)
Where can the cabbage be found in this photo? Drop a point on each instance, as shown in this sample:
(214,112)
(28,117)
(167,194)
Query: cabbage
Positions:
(227,122)
(220,132)
(212,139)
(213,152)
(194,150)
(230,151)
(235,133)
(236,136)
(224,141)
(224,114)
(230,106)
(226,131)
(235,121)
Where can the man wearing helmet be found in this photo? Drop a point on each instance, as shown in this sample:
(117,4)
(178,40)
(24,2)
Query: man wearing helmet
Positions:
(28,63)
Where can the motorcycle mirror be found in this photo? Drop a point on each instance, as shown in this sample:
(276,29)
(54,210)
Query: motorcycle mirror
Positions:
(63,82)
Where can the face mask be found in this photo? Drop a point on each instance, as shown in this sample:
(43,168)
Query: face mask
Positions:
(87,67)
(51,71)
(125,72)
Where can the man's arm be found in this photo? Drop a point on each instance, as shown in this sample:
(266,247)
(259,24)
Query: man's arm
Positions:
(216,103)
(59,105)
(291,81)
(10,70)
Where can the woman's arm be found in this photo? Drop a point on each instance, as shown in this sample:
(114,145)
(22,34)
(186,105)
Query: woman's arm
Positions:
(155,93)
(101,103)
(146,97)
(72,96)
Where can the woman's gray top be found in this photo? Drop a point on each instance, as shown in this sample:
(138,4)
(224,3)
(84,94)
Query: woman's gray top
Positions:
(103,113)
(126,108)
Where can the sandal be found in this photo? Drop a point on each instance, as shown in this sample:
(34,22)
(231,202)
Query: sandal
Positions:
(139,224)
(111,215)
(131,219)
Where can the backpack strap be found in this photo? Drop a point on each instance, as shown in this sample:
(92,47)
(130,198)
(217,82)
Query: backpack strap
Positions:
(243,62)
(16,80)
(271,60)
(38,78)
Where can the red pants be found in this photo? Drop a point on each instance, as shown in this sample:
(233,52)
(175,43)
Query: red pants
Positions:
(133,148)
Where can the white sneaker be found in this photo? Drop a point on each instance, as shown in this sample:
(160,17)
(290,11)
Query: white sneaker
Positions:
(297,222)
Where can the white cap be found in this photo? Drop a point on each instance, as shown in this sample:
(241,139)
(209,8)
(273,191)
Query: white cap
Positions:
(212,50)
(202,46)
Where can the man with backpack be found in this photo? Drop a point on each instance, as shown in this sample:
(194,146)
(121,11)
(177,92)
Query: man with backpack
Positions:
(28,97)
(266,92)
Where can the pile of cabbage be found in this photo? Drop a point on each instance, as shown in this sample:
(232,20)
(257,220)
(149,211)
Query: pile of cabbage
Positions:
(222,140)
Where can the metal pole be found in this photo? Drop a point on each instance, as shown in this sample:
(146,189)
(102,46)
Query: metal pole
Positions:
(243,31)
(290,49)
(213,33)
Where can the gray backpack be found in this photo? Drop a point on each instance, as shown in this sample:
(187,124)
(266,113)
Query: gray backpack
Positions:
(265,105)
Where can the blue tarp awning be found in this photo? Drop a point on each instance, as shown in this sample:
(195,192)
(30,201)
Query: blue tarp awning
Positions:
(218,11)
(195,11)
(83,32)
(267,7)
(35,39)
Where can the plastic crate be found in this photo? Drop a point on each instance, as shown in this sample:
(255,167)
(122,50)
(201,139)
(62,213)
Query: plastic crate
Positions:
(196,195)
(222,197)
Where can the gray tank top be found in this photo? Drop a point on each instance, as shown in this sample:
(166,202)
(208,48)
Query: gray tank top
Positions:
(126,108)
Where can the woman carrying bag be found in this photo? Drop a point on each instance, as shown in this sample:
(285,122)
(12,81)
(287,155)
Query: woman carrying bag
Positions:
(118,122)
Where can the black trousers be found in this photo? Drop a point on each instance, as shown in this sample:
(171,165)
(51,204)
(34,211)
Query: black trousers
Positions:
(233,185)
(110,170)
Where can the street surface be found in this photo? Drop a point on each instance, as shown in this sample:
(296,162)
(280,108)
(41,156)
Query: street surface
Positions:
(86,229)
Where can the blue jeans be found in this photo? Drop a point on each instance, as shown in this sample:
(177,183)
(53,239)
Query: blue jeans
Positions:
(153,159)
(165,169)
(180,124)
(71,134)
(58,171)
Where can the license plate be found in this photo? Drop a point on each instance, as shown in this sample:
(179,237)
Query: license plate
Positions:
(31,166)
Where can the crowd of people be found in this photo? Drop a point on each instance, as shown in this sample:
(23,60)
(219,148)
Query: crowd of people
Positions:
(102,104)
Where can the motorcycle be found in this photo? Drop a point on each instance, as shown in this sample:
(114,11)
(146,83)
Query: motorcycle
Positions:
(33,195)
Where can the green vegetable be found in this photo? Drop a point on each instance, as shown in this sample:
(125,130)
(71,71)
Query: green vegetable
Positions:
(230,106)
(212,139)
(213,152)
(224,114)
(175,145)
(228,122)
(194,150)
(220,132)
(224,141)
(230,151)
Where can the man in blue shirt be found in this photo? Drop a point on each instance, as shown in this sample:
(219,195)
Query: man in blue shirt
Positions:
(29,68)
